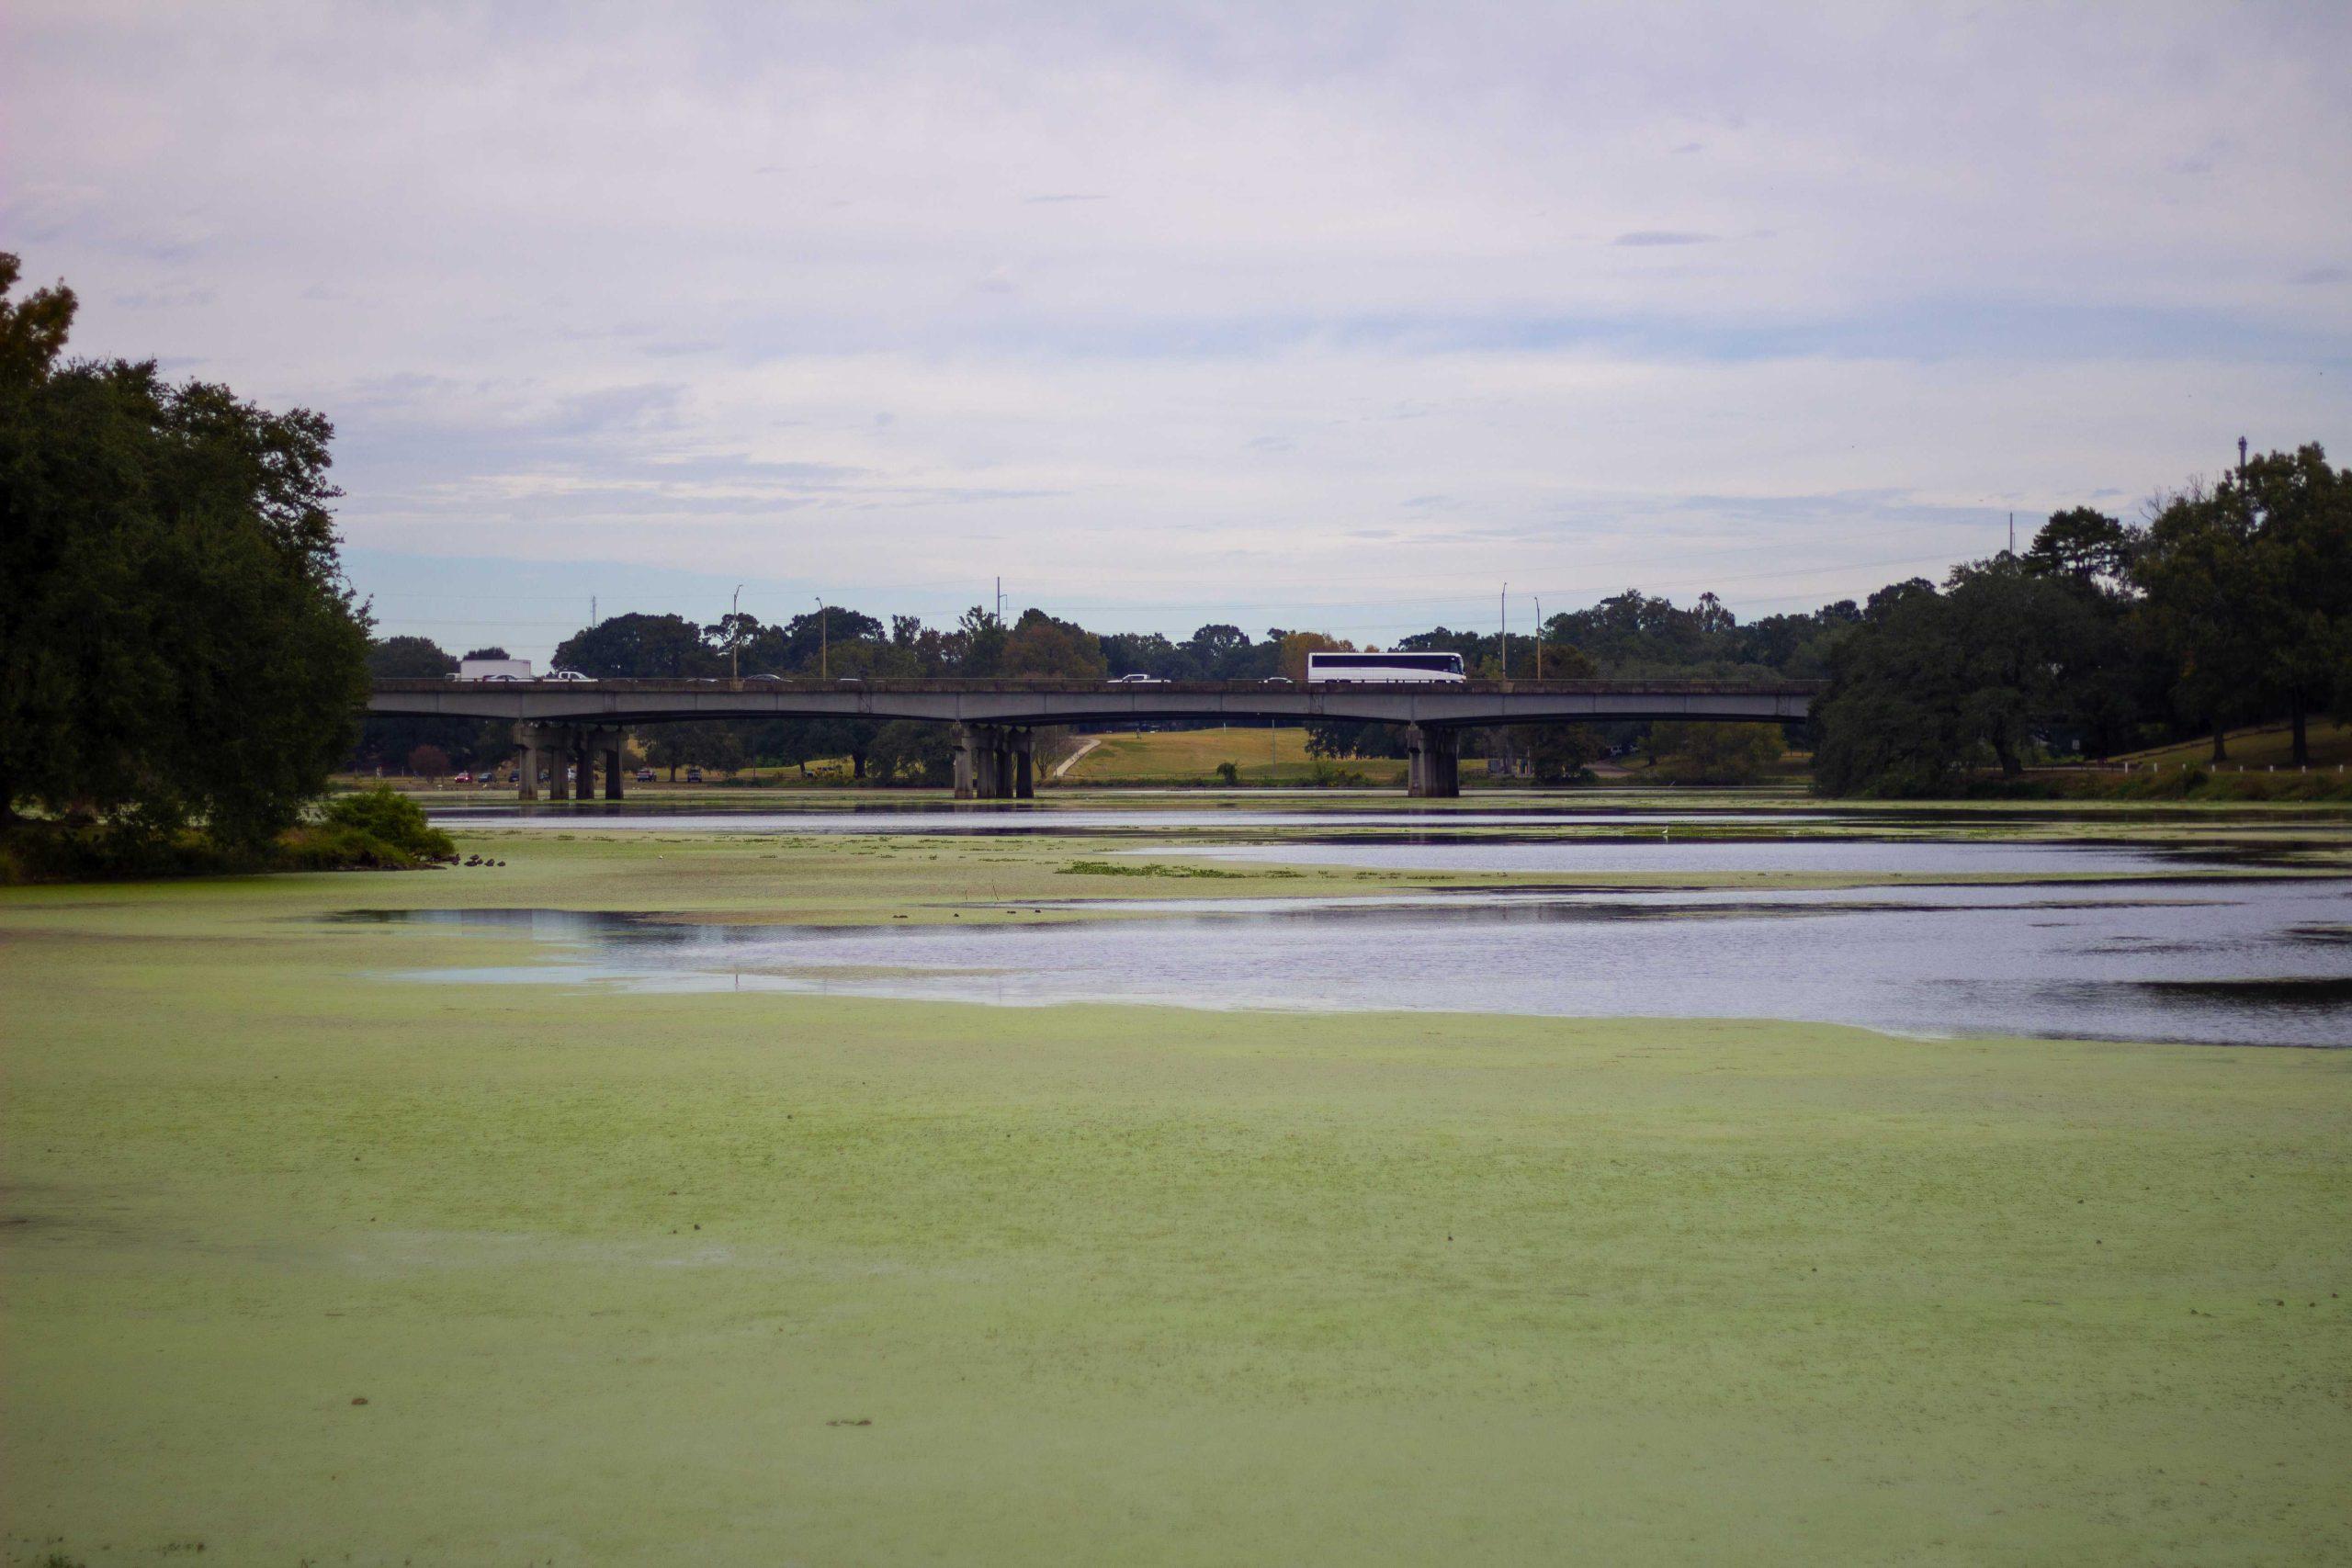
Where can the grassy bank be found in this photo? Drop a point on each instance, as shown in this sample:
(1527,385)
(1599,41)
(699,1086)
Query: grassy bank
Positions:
(1260,756)
(756,1279)
(2230,783)
(2265,746)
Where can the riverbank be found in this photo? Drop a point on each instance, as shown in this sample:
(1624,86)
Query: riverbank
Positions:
(841,1280)
(375,830)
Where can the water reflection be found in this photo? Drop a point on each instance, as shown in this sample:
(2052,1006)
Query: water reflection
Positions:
(2253,961)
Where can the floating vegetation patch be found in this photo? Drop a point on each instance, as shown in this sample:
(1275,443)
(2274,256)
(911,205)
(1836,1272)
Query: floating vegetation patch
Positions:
(1154,868)
(2331,991)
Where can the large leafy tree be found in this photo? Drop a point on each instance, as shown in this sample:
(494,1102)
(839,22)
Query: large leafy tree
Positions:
(177,642)
(2249,584)
(639,648)
(1041,646)
(1890,722)
(1930,681)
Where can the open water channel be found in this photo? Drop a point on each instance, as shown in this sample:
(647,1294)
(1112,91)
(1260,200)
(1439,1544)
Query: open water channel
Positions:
(2077,938)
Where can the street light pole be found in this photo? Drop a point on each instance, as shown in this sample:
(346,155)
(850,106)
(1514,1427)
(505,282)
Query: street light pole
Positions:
(735,636)
(1538,640)
(1504,639)
(824,641)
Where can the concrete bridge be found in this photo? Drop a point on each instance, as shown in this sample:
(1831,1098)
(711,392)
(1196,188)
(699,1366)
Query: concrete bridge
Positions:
(996,720)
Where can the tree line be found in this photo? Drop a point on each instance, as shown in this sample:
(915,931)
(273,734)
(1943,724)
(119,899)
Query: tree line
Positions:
(178,645)
(2231,603)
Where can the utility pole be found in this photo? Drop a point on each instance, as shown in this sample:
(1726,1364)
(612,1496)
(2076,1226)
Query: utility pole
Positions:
(999,601)
(735,636)
(2013,533)
(1504,638)
(1539,639)
(591,609)
(2241,461)
(824,640)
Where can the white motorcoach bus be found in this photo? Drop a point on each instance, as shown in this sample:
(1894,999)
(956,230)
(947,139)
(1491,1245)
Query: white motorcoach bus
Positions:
(1337,668)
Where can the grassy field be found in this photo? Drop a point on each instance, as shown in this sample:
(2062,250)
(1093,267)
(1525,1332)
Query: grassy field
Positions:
(2269,746)
(305,1261)
(1190,756)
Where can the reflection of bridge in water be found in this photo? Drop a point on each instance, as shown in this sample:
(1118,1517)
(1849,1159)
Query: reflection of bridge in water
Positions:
(996,721)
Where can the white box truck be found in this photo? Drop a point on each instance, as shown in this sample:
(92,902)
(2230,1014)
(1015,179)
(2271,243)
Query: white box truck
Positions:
(494,669)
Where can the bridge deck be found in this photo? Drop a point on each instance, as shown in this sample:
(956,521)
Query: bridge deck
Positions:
(1057,702)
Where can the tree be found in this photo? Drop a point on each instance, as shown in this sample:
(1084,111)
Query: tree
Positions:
(1889,724)
(1147,653)
(711,745)
(642,648)
(915,753)
(2249,585)
(409,658)
(979,647)
(1929,678)
(1694,753)
(177,642)
(2086,546)
(1563,753)
(1296,646)
(1042,646)
(428,761)
(1221,652)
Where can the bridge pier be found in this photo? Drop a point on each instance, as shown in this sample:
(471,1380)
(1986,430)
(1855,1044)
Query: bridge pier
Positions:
(976,770)
(1433,762)
(561,749)
(526,772)
(995,761)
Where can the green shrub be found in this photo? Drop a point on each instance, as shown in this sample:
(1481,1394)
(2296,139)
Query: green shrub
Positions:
(393,819)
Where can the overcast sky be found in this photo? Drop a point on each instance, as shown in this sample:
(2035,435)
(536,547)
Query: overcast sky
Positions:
(1333,317)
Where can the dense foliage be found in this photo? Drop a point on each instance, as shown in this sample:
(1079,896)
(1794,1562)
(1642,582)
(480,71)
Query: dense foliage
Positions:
(176,643)
(2234,604)
(392,818)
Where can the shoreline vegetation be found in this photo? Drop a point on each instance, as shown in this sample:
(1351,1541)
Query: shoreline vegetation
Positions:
(374,829)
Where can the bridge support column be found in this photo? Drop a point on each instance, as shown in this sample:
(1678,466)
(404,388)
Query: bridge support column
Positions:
(972,762)
(552,747)
(612,758)
(994,761)
(526,772)
(1433,762)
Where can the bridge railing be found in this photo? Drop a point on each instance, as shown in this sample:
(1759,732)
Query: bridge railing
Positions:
(945,685)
